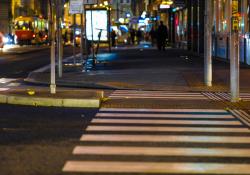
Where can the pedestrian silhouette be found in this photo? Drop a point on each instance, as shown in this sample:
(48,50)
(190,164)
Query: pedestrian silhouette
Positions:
(132,35)
(162,34)
(113,36)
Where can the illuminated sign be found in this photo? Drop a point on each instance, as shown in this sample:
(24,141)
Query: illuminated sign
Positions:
(164,6)
(99,22)
(75,6)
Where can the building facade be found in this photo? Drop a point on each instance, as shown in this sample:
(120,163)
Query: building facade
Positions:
(11,9)
(5,16)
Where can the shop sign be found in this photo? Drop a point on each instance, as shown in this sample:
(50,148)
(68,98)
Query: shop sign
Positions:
(235,7)
(235,16)
(75,6)
(89,2)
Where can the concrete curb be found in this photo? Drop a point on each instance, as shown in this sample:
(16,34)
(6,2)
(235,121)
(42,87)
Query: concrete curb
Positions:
(50,102)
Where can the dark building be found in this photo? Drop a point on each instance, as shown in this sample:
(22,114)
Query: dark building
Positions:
(5,16)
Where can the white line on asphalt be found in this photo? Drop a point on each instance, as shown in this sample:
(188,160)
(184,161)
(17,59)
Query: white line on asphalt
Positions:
(156,93)
(4,89)
(155,167)
(163,110)
(212,96)
(47,67)
(222,95)
(159,97)
(6,80)
(161,151)
(166,129)
(242,115)
(188,116)
(170,92)
(177,122)
(164,138)
(14,84)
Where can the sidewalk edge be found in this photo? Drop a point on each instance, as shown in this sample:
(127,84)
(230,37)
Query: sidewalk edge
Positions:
(50,102)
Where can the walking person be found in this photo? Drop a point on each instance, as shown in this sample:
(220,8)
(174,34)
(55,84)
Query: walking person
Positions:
(162,34)
(139,36)
(132,35)
(152,34)
(113,36)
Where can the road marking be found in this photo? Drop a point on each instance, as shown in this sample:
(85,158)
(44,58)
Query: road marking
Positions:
(4,89)
(14,84)
(6,80)
(242,115)
(156,167)
(164,138)
(177,122)
(223,96)
(189,116)
(211,96)
(164,129)
(161,151)
(107,142)
(156,95)
(164,110)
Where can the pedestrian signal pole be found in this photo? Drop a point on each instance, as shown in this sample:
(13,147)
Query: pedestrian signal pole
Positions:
(234,51)
(208,43)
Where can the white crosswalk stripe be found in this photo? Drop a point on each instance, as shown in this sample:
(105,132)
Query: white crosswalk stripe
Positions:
(5,83)
(146,140)
(137,94)
(223,96)
(245,96)
(134,94)
(6,80)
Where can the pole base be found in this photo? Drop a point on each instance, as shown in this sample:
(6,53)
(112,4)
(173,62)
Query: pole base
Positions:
(235,100)
(53,89)
(209,84)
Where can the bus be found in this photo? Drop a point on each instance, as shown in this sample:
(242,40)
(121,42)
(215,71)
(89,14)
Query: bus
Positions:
(31,30)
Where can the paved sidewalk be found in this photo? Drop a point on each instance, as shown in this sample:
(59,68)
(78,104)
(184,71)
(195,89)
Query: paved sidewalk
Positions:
(126,68)
(146,69)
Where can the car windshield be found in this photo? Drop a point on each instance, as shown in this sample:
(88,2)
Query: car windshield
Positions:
(23,25)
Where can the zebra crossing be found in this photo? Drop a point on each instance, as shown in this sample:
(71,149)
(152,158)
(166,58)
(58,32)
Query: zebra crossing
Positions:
(137,94)
(162,141)
(223,96)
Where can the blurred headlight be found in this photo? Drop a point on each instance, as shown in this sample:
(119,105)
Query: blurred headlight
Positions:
(5,39)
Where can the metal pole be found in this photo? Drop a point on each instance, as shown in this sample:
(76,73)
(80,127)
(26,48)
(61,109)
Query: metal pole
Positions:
(208,44)
(74,38)
(82,43)
(86,39)
(92,34)
(234,54)
(109,25)
(59,37)
(117,10)
(52,50)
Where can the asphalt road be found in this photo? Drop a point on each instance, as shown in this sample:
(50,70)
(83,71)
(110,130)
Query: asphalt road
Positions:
(19,65)
(38,141)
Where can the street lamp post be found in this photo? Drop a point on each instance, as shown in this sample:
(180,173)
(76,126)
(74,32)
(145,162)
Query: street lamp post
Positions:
(52,48)
(234,50)
(208,43)
(59,37)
